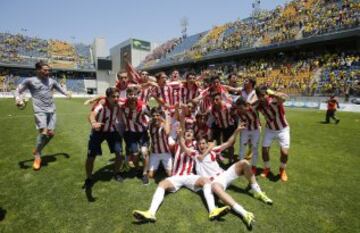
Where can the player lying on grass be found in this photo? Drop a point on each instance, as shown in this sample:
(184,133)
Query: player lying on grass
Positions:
(207,166)
(183,176)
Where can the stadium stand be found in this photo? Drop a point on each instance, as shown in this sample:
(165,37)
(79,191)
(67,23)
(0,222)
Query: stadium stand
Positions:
(299,73)
(75,85)
(295,20)
(19,49)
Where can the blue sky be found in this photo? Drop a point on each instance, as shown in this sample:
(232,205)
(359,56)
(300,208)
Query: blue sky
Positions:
(116,21)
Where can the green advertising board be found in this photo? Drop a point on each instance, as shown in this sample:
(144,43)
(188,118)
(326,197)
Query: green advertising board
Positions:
(141,45)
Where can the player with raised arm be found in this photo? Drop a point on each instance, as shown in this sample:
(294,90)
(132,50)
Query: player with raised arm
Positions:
(270,104)
(182,176)
(207,166)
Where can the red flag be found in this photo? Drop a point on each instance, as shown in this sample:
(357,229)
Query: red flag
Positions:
(133,75)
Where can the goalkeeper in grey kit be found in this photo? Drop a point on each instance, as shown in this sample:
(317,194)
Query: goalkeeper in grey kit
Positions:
(41,89)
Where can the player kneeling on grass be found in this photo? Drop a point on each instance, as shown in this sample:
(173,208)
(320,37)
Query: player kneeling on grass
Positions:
(270,104)
(103,123)
(183,176)
(41,88)
(207,166)
(160,151)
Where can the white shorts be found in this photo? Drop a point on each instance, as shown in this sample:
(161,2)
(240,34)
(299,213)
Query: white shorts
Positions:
(227,177)
(252,135)
(186,180)
(282,135)
(165,159)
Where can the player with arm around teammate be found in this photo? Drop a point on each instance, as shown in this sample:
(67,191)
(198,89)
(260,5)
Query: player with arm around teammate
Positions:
(182,176)
(103,119)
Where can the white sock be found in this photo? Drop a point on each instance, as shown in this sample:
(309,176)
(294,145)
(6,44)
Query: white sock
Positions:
(158,197)
(283,165)
(209,197)
(255,186)
(267,164)
(239,209)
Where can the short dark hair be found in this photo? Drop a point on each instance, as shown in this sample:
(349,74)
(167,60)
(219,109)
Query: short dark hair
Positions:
(199,138)
(231,74)
(40,64)
(215,77)
(131,90)
(159,74)
(261,90)
(190,73)
(252,81)
(110,91)
(157,110)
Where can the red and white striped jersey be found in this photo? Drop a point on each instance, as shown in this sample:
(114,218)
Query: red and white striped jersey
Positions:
(274,113)
(206,101)
(183,163)
(166,93)
(175,86)
(205,104)
(223,116)
(145,94)
(106,115)
(251,118)
(209,167)
(122,88)
(187,94)
(133,73)
(135,120)
(159,140)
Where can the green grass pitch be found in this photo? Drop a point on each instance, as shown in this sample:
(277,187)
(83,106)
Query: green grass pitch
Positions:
(322,194)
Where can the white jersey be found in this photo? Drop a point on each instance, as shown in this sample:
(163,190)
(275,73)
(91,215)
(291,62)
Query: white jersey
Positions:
(209,167)
(247,96)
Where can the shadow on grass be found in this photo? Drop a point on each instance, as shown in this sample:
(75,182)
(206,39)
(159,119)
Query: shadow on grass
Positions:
(106,174)
(272,177)
(240,190)
(141,222)
(2,214)
(45,160)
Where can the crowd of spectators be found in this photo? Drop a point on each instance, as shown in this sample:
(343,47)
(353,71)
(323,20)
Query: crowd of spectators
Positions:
(300,73)
(293,21)
(23,50)
(74,82)
(162,50)
(332,15)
